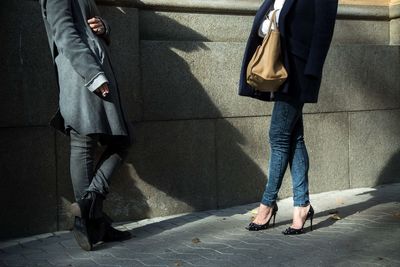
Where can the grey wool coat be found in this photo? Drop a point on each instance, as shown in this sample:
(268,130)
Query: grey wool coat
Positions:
(82,64)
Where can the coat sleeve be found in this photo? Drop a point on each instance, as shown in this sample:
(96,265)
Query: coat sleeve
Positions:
(70,44)
(107,32)
(325,17)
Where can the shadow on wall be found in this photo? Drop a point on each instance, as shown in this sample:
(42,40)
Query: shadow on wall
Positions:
(187,157)
(391,172)
(175,165)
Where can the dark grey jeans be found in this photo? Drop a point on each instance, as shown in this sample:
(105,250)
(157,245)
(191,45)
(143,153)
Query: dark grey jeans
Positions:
(84,174)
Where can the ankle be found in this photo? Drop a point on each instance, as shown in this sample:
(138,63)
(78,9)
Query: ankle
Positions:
(264,211)
(300,215)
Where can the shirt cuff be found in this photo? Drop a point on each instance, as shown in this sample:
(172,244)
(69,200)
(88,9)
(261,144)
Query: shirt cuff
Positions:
(96,82)
(263,30)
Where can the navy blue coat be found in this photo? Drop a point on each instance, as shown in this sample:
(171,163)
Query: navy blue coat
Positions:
(306,28)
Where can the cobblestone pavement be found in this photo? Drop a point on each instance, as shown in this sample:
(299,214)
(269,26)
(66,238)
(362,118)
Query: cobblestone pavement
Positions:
(359,227)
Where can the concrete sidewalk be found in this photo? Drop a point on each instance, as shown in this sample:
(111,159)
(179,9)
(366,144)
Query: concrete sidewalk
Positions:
(359,227)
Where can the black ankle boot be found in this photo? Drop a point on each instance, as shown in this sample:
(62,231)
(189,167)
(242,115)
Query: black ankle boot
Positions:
(111,234)
(82,234)
(90,206)
(88,211)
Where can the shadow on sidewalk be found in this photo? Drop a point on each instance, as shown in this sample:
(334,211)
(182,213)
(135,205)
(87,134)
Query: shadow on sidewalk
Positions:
(387,176)
(185,150)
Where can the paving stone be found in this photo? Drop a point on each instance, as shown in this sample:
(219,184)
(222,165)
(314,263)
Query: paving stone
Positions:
(129,254)
(49,256)
(26,262)
(51,248)
(70,243)
(7,244)
(77,253)
(113,261)
(13,250)
(366,235)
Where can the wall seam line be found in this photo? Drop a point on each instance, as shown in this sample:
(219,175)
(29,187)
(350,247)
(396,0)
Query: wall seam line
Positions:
(56,175)
(348,148)
(217,118)
(216,166)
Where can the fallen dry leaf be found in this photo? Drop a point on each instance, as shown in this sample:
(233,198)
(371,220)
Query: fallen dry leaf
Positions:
(396,214)
(178,263)
(196,240)
(339,201)
(335,217)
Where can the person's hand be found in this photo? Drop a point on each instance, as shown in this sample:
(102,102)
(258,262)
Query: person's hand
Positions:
(96,25)
(103,90)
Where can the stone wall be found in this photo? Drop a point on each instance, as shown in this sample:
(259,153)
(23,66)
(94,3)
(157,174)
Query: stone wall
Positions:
(198,145)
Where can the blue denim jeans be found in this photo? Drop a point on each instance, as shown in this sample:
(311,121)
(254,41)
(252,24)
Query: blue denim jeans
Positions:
(286,137)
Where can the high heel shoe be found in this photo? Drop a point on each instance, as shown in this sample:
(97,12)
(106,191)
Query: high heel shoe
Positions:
(257,227)
(293,231)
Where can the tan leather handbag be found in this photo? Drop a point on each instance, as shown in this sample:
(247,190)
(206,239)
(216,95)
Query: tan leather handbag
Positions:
(265,71)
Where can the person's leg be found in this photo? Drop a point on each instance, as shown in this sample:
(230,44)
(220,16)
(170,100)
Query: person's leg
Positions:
(111,159)
(91,224)
(83,149)
(299,165)
(283,120)
(81,167)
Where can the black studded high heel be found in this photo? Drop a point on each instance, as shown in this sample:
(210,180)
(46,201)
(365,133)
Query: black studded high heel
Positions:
(293,231)
(257,227)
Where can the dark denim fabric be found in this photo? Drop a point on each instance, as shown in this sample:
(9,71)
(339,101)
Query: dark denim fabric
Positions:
(85,176)
(286,136)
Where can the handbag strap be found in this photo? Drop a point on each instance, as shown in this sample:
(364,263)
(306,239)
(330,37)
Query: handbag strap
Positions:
(273,21)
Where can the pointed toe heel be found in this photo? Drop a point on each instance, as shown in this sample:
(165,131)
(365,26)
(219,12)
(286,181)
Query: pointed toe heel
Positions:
(293,231)
(258,227)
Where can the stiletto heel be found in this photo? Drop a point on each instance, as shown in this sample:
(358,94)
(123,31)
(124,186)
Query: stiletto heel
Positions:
(257,227)
(293,231)
(273,222)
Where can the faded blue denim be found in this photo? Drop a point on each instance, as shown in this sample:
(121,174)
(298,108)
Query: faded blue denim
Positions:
(286,137)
